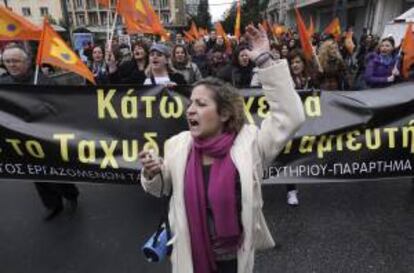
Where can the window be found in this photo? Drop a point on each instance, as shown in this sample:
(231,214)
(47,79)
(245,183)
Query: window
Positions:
(44,11)
(165,19)
(79,4)
(93,18)
(81,19)
(26,11)
(91,4)
(104,18)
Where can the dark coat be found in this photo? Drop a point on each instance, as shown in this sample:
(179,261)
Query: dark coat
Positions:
(128,73)
(202,63)
(28,80)
(236,75)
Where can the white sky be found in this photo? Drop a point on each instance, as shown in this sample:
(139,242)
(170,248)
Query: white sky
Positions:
(218,7)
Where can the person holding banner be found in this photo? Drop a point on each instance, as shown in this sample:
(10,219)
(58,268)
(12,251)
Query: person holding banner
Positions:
(17,61)
(215,169)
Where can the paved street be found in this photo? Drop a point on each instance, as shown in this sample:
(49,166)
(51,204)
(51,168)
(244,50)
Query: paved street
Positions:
(356,227)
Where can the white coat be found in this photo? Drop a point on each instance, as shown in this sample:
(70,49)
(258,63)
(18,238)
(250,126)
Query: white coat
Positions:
(253,149)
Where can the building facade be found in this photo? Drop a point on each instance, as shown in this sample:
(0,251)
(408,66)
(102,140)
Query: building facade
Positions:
(191,7)
(90,13)
(36,10)
(360,14)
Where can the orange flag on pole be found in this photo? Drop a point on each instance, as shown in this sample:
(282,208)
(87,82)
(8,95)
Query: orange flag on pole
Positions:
(188,37)
(53,50)
(304,36)
(311,29)
(334,28)
(237,23)
(194,30)
(408,48)
(134,27)
(15,27)
(220,31)
(142,12)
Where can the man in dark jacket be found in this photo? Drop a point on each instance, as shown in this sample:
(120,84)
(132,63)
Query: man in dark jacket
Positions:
(18,65)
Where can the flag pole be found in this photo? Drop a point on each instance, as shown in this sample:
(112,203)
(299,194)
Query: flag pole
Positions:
(111,36)
(36,76)
(109,16)
(39,53)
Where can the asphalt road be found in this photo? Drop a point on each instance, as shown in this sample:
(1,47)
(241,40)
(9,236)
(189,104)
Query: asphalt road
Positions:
(355,227)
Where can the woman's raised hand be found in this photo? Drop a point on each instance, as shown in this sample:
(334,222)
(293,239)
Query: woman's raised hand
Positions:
(151,163)
(258,41)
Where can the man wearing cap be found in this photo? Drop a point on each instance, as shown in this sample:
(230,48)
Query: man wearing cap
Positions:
(159,70)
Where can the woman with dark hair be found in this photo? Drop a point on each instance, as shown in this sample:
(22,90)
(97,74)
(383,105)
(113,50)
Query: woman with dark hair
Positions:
(275,50)
(98,66)
(159,70)
(284,51)
(240,72)
(181,62)
(302,73)
(132,71)
(367,46)
(218,60)
(214,170)
(381,70)
(303,79)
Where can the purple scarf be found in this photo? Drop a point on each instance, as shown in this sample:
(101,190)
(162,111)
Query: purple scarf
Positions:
(221,197)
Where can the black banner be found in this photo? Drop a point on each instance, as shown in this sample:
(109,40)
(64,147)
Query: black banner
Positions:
(93,134)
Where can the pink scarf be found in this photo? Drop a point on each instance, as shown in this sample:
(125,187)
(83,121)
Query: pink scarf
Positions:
(221,197)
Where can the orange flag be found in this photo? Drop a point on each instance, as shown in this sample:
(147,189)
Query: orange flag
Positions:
(311,29)
(15,27)
(408,48)
(53,50)
(304,37)
(105,3)
(134,27)
(334,28)
(194,31)
(278,30)
(349,42)
(237,23)
(188,37)
(265,25)
(220,31)
(142,12)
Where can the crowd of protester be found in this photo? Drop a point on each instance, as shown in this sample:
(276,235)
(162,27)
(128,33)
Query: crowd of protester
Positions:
(371,63)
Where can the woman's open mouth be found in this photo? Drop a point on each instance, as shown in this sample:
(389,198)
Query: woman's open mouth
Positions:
(193,123)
